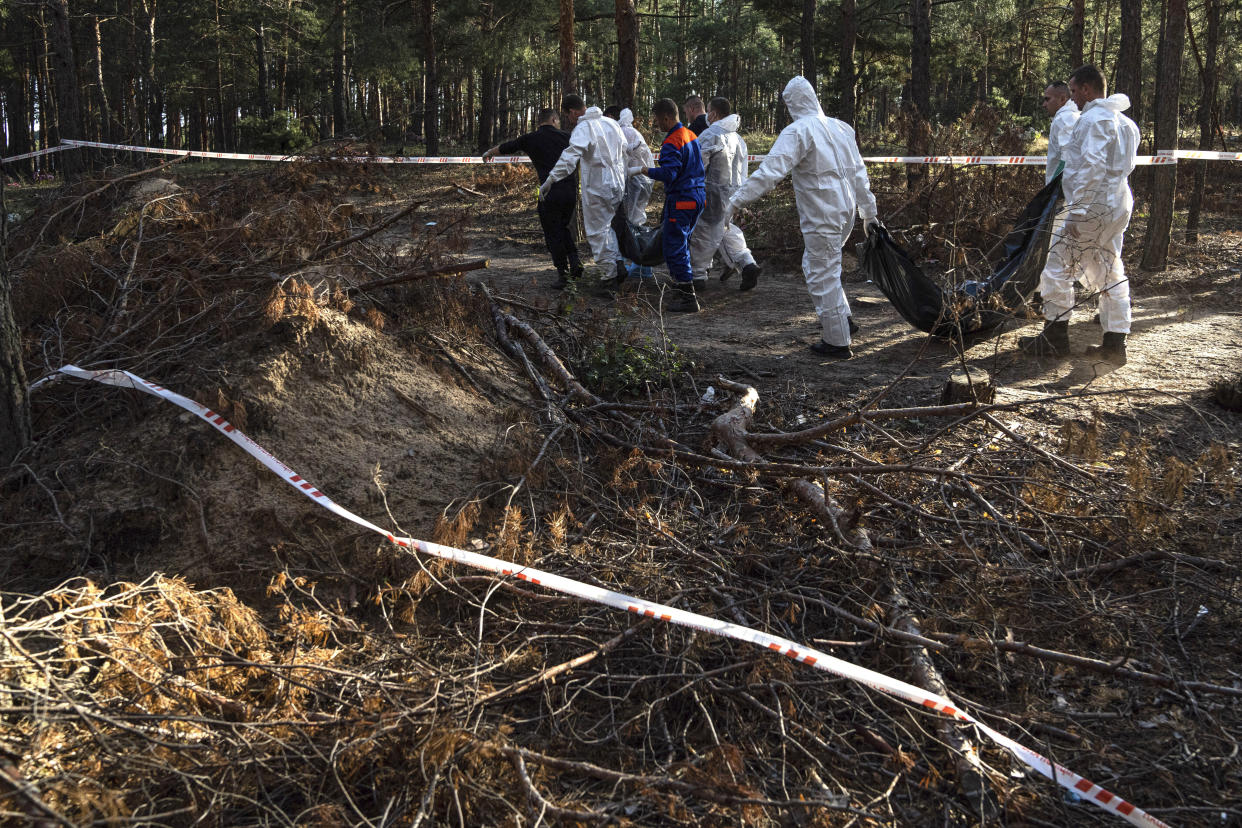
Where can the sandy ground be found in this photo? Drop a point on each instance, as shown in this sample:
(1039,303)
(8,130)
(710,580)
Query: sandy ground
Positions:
(1187,331)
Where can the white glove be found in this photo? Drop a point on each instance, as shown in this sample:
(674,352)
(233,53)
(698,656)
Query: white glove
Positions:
(544,188)
(633,171)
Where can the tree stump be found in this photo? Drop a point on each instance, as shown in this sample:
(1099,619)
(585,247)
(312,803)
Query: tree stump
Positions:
(972,385)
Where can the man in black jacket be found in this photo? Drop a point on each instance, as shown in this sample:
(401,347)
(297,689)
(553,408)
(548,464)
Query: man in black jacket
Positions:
(556,211)
(696,115)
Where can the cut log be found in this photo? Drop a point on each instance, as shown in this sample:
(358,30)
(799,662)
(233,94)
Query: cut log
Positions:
(973,385)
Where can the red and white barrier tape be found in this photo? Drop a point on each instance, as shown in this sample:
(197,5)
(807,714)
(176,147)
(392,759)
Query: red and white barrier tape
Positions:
(1204,155)
(36,153)
(1084,788)
(356,159)
(993,160)
(1163,157)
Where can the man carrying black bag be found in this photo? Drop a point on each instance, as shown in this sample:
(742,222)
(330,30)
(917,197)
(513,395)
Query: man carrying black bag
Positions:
(556,210)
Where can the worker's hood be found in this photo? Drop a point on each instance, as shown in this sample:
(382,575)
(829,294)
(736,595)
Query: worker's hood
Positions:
(627,117)
(592,113)
(728,123)
(801,99)
(1117,103)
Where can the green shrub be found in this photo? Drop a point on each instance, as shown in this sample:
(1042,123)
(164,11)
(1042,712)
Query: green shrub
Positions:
(279,132)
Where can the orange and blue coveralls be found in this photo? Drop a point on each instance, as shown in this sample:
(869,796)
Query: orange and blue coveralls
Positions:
(681,171)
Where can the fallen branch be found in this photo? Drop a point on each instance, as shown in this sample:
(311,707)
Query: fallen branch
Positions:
(461,267)
(949,641)
(365,234)
(551,673)
(971,777)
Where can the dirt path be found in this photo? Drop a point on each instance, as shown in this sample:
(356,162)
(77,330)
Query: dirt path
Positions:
(1187,331)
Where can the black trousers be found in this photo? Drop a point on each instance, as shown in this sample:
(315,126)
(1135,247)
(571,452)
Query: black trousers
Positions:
(556,216)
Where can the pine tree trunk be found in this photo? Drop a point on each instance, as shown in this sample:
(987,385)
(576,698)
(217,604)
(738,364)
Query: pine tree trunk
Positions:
(68,110)
(1164,179)
(1077,30)
(431,97)
(340,83)
(487,107)
(569,77)
(14,405)
(625,88)
(260,49)
(1207,105)
(918,107)
(105,111)
(1129,77)
(807,33)
(155,124)
(847,74)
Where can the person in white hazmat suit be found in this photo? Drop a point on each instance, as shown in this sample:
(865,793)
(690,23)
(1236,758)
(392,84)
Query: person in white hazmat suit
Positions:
(724,158)
(830,183)
(1099,158)
(597,149)
(1064,113)
(637,154)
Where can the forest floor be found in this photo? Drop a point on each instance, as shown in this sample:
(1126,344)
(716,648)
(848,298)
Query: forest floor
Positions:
(313,672)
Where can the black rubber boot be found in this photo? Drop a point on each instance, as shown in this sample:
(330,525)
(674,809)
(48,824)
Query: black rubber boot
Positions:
(683,299)
(832,351)
(727,274)
(622,273)
(854,329)
(1053,341)
(750,276)
(1112,349)
(562,280)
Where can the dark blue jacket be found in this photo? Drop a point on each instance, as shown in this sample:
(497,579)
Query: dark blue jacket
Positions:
(681,165)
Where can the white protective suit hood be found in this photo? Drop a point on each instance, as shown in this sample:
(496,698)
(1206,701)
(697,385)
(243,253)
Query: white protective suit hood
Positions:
(1117,103)
(729,123)
(637,154)
(801,99)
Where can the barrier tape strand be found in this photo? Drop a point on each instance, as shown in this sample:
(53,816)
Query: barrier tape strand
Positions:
(1160,158)
(1080,786)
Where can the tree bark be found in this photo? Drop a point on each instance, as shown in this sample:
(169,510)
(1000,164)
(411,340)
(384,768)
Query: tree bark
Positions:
(340,82)
(1129,77)
(625,88)
(1164,180)
(68,110)
(807,32)
(1207,105)
(569,76)
(105,111)
(847,74)
(260,48)
(154,105)
(918,106)
(1078,28)
(14,405)
(431,97)
(487,107)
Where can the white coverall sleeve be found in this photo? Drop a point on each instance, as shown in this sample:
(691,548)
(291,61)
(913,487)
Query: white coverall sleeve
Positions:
(1086,167)
(862,184)
(570,156)
(785,153)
